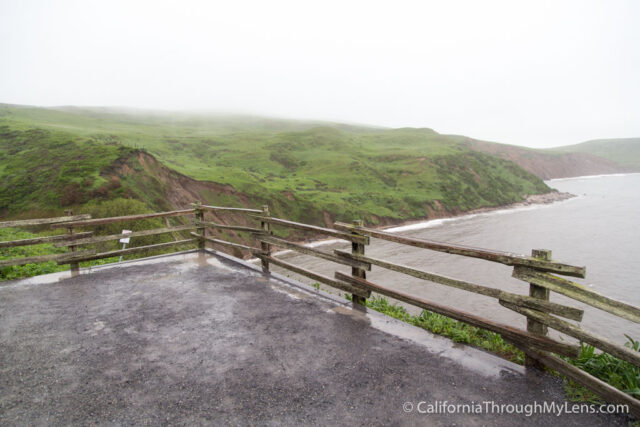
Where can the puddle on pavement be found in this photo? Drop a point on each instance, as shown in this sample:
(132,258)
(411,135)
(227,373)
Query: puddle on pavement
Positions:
(356,314)
(178,260)
(291,293)
(42,279)
(468,357)
(471,358)
(215,262)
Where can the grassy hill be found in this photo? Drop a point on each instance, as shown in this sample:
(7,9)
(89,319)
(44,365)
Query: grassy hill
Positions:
(551,163)
(623,151)
(313,171)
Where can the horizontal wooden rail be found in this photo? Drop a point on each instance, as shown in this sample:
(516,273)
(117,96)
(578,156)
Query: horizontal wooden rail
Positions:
(111,237)
(597,341)
(46,239)
(77,258)
(100,221)
(222,208)
(224,242)
(606,391)
(488,255)
(317,277)
(227,227)
(313,252)
(535,271)
(43,221)
(520,300)
(508,332)
(320,230)
(578,292)
(60,258)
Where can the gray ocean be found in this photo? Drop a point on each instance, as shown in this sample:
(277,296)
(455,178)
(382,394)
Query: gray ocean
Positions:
(599,229)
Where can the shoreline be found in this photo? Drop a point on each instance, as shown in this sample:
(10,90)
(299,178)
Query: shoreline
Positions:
(421,223)
(533,200)
(593,176)
(536,199)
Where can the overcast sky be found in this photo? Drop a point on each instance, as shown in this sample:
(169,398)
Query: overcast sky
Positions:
(532,73)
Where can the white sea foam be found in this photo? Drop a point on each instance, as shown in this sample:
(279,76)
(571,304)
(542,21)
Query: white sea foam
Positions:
(438,222)
(323,243)
(308,245)
(592,176)
(421,225)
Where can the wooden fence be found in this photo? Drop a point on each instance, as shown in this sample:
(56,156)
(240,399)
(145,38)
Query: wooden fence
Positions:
(72,239)
(538,272)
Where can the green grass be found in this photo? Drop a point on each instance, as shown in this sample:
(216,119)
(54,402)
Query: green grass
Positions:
(116,207)
(301,169)
(44,170)
(619,373)
(623,151)
(16,272)
(458,331)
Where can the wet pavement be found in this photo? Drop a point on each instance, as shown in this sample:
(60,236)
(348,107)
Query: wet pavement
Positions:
(202,339)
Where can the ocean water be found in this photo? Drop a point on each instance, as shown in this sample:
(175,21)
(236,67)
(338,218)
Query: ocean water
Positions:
(599,229)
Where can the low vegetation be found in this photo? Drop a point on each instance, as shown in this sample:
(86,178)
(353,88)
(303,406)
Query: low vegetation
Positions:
(44,171)
(457,331)
(52,159)
(116,207)
(17,272)
(619,373)
(624,151)
(90,161)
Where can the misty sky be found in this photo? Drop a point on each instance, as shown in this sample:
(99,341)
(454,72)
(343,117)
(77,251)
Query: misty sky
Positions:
(529,73)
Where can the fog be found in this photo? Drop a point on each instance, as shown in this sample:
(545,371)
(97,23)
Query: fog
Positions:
(533,73)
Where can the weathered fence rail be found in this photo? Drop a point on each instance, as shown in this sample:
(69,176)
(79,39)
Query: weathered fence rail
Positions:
(126,218)
(101,239)
(538,271)
(226,209)
(538,310)
(60,238)
(578,292)
(468,251)
(109,254)
(28,223)
(73,240)
(317,277)
(313,252)
(42,221)
(520,300)
(356,238)
(60,258)
(222,242)
(509,332)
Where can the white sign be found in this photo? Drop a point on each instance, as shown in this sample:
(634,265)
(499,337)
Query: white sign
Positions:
(125,240)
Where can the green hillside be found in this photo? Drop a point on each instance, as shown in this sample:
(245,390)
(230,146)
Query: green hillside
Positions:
(55,158)
(623,151)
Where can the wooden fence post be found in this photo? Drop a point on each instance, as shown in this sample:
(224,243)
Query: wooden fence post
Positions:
(358,249)
(538,292)
(75,266)
(265,247)
(201,228)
